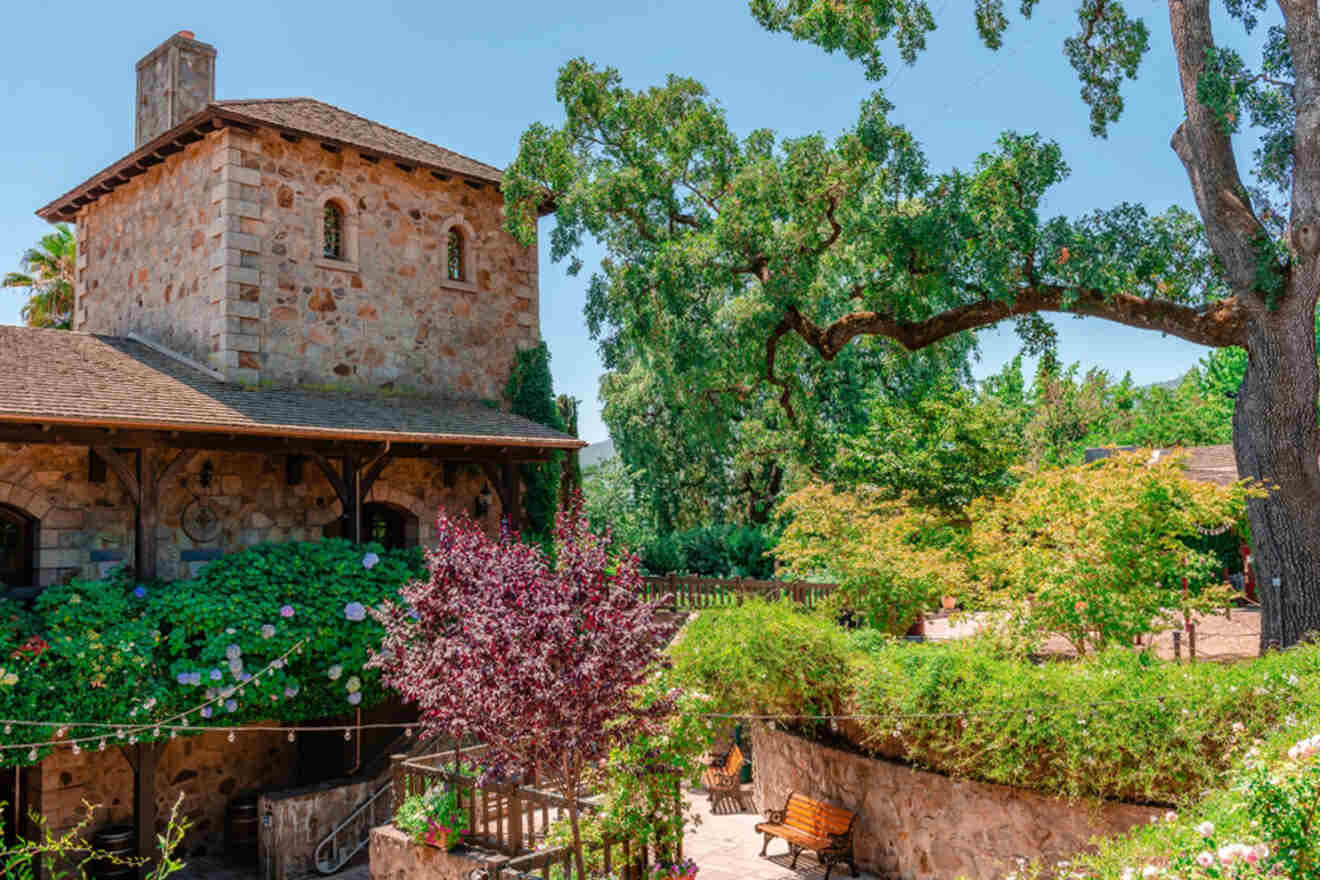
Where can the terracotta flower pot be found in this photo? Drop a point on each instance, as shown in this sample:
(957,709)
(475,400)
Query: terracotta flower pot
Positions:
(948,603)
(438,838)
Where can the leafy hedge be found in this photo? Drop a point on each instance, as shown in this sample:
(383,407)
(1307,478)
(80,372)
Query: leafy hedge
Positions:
(765,658)
(712,551)
(1122,725)
(128,653)
(1118,725)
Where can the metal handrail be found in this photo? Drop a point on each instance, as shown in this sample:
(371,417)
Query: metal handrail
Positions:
(337,858)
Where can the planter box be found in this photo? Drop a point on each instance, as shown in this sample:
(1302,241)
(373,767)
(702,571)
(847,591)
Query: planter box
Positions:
(395,857)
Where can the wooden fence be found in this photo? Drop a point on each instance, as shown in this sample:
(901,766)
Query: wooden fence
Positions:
(513,820)
(686,593)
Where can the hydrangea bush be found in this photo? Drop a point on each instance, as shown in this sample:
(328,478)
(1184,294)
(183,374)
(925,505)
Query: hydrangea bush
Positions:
(143,653)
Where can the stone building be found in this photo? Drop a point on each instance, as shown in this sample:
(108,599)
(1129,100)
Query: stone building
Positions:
(290,322)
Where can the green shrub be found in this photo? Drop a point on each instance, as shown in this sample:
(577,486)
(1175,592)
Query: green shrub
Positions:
(143,652)
(1120,725)
(712,551)
(764,658)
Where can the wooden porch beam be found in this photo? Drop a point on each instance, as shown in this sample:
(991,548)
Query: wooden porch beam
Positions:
(130,438)
(123,470)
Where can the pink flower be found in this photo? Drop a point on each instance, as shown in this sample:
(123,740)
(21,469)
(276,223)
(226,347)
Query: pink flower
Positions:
(1205,829)
(286,611)
(1205,858)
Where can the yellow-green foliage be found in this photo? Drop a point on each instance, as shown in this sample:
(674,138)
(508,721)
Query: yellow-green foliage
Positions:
(1102,550)
(764,657)
(891,560)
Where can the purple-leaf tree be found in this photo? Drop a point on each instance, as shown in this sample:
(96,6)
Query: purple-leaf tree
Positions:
(539,662)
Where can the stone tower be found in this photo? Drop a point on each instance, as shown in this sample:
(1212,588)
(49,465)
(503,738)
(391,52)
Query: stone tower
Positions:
(174,81)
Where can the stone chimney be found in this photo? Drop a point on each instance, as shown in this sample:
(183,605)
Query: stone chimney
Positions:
(174,81)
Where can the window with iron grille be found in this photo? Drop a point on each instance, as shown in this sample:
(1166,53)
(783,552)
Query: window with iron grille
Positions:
(334,231)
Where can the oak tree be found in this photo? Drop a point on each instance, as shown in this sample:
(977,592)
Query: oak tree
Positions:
(780,250)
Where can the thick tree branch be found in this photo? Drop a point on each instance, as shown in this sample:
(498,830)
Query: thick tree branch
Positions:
(1218,324)
(1206,151)
(1303,26)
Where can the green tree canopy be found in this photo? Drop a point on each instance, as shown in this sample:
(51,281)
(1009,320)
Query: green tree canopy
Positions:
(47,275)
(771,251)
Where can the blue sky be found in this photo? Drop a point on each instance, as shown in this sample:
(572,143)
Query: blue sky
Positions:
(472,76)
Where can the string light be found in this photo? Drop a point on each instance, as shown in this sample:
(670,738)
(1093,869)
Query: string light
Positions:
(231,736)
(348,734)
(290,736)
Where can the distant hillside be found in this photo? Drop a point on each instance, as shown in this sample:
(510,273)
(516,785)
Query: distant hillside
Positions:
(596,453)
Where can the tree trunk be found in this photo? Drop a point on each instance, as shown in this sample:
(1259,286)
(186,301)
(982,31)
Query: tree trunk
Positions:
(572,776)
(1276,440)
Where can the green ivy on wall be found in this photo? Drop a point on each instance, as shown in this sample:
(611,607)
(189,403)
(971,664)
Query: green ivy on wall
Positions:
(531,394)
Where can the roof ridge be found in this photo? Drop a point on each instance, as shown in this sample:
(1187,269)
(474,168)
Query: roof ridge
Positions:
(366,119)
(288,100)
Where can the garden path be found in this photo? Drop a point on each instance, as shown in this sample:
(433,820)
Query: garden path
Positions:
(1217,637)
(725,847)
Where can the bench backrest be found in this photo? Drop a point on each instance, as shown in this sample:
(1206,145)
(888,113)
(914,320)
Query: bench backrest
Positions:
(814,817)
(733,764)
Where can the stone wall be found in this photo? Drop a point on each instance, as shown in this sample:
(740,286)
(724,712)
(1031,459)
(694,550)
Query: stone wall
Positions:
(86,528)
(387,315)
(217,253)
(915,825)
(145,254)
(394,857)
(295,822)
(208,770)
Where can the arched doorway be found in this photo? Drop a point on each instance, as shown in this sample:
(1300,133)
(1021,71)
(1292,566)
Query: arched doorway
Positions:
(392,527)
(18,550)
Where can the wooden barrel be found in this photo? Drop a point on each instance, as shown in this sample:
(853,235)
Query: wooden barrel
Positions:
(119,842)
(242,829)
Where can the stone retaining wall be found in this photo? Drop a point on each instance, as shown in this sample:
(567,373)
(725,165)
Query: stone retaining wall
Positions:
(916,825)
(294,823)
(395,857)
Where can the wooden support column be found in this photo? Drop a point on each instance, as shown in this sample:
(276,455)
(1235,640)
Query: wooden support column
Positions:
(148,514)
(511,493)
(143,758)
(351,476)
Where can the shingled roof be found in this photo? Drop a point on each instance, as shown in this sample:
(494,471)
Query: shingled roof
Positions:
(313,118)
(82,379)
(303,117)
(1204,464)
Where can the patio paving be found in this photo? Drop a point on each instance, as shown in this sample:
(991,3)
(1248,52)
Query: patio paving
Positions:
(725,847)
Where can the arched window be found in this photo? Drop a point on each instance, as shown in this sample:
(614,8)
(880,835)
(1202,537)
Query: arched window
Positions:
(18,549)
(333,231)
(455,254)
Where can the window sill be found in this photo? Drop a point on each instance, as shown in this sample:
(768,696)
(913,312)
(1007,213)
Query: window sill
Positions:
(336,265)
(459,285)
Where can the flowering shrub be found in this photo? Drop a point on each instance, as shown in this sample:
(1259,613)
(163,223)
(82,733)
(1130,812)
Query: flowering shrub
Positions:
(432,817)
(685,870)
(144,652)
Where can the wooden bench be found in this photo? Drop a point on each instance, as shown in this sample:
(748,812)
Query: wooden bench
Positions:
(724,778)
(808,824)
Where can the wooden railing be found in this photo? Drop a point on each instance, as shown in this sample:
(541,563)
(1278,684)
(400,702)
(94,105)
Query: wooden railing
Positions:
(687,593)
(512,820)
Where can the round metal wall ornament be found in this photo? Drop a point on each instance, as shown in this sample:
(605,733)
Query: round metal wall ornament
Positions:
(200,522)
